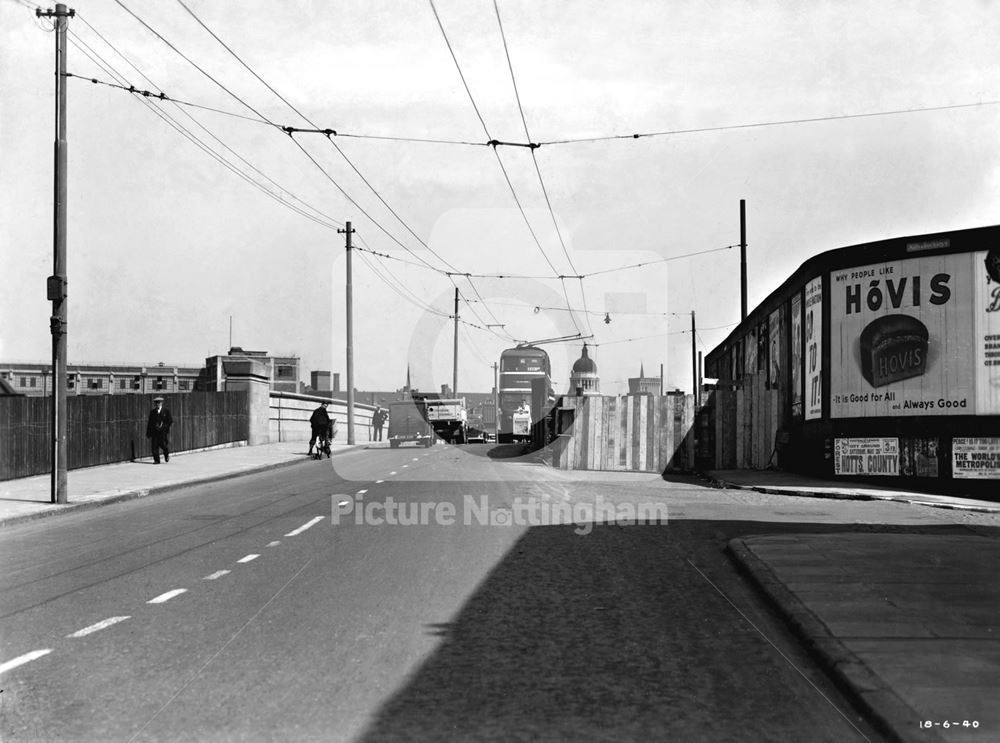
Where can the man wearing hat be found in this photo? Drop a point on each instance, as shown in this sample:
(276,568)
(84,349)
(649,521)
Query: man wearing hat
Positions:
(320,422)
(158,430)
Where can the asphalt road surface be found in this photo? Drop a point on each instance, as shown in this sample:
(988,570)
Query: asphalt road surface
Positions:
(277,607)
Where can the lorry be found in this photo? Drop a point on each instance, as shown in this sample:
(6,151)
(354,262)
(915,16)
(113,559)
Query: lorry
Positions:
(448,418)
(408,423)
(521,423)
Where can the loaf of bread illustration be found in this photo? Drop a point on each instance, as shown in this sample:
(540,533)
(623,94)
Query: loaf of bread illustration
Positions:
(893,347)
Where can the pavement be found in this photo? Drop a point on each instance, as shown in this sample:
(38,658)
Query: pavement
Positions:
(908,624)
(29,498)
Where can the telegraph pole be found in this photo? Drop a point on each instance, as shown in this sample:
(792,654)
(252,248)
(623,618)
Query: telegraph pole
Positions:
(350,339)
(496,402)
(56,285)
(743,259)
(694,362)
(454,371)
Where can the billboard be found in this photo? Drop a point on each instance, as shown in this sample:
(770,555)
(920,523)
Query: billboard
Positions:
(750,347)
(975,458)
(902,338)
(774,353)
(796,370)
(814,346)
(866,456)
(986,310)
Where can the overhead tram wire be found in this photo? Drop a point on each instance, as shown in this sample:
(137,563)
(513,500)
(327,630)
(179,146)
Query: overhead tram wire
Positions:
(760,124)
(104,65)
(416,300)
(316,215)
(194,64)
(311,123)
(538,170)
(276,126)
(570,140)
(342,154)
(495,142)
(400,289)
(164,97)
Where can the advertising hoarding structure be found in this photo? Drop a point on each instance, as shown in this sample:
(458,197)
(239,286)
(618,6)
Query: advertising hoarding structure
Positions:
(911,361)
(814,349)
(796,370)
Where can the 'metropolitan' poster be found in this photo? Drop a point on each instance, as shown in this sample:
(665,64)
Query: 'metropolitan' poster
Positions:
(814,348)
(902,338)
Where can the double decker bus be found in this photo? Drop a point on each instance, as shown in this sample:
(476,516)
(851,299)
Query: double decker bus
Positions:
(518,368)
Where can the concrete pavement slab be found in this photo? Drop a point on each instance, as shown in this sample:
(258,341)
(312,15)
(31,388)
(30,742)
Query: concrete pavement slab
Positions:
(790,483)
(915,635)
(29,497)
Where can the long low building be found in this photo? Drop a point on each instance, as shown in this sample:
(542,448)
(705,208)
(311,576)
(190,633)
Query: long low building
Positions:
(881,359)
(35,379)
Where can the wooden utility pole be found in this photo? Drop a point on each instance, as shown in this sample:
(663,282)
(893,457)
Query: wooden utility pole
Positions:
(743,259)
(694,362)
(454,371)
(56,285)
(350,339)
(496,402)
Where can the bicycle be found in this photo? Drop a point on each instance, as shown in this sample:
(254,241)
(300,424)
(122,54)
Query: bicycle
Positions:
(323,445)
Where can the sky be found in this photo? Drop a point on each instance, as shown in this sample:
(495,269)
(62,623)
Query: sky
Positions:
(173,256)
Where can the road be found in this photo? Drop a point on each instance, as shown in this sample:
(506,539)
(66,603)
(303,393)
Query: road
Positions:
(260,608)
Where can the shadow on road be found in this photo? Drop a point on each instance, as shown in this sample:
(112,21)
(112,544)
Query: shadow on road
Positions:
(506,451)
(613,635)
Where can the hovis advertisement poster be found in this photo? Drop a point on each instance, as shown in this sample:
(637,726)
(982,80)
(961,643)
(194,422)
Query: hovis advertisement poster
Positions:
(902,338)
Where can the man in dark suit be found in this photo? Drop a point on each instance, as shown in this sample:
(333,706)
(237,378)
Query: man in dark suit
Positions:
(378,420)
(158,430)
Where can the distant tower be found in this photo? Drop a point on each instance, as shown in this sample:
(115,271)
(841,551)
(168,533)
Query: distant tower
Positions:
(643,385)
(584,380)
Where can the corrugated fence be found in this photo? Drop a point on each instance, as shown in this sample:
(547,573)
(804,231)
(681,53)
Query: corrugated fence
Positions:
(101,429)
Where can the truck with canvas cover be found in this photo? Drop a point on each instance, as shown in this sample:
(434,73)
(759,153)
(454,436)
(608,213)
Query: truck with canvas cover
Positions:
(407,423)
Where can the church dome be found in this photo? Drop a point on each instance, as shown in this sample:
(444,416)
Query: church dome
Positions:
(584,364)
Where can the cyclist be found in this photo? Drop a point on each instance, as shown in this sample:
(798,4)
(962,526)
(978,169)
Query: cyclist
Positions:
(321,424)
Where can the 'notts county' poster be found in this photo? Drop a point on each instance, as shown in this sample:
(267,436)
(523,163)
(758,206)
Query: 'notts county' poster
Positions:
(902,338)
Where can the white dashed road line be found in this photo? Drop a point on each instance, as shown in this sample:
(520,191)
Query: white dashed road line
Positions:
(392,473)
(164,597)
(248,558)
(362,492)
(22,659)
(415,459)
(97,627)
(379,482)
(305,526)
(405,466)
(216,575)
(275,543)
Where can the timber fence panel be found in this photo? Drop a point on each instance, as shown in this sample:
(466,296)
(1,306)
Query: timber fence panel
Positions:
(101,429)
